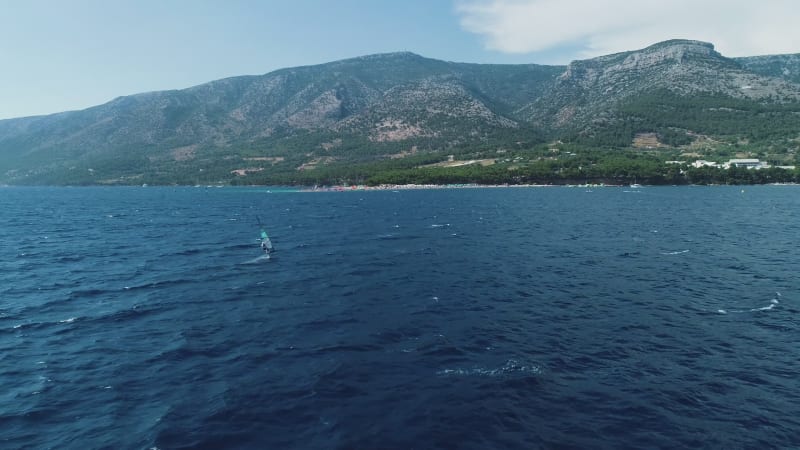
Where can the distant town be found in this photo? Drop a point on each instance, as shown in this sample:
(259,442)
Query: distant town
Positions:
(746,163)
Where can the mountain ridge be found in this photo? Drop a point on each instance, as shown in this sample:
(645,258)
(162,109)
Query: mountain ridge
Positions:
(372,107)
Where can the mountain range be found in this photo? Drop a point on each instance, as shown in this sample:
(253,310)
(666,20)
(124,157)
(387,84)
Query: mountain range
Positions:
(381,109)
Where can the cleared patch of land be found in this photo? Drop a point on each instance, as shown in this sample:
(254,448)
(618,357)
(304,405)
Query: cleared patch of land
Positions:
(456,163)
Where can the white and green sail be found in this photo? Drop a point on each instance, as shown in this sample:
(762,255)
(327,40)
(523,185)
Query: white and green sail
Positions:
(266,244)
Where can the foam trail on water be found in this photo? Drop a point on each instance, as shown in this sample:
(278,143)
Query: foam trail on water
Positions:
(772,304)
(258,259)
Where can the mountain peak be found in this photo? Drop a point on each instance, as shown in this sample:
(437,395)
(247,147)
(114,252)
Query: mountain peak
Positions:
(391,56)
(680,50)
(673,52)
(681,43)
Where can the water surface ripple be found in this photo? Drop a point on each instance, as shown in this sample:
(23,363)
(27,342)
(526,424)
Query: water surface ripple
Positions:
(473,318)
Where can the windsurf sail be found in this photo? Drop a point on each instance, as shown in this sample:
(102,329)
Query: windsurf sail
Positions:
(266,243)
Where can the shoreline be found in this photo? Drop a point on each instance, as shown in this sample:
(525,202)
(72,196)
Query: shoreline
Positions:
(389,187)
(407,187)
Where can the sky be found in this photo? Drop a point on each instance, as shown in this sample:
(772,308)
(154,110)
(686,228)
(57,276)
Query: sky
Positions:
(60,55)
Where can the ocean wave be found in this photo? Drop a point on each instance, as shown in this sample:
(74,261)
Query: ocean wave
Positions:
(242,246)
(70,258)
(137,312)
(397,237)
(345,348)
(43,325)
(510,368)
(190,251)
(160,284)
(89,293)
(772,304)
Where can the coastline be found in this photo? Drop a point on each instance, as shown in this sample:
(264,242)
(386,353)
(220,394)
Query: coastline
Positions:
(398,187)
(392,187)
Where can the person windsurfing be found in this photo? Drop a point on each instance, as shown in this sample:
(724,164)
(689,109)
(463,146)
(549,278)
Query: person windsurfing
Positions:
(266,244)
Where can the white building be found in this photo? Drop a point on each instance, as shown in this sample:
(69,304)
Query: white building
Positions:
(749,163)
(703,163)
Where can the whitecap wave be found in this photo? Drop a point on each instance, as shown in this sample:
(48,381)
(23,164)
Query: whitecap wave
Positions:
(511,367)
(679,252)
(772,304)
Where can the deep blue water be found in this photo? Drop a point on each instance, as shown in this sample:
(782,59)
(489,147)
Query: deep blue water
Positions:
(526,318)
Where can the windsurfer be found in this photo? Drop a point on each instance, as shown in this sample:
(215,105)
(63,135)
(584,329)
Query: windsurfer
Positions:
(266,244)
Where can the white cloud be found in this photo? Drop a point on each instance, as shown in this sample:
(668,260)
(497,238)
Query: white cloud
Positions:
(578,29)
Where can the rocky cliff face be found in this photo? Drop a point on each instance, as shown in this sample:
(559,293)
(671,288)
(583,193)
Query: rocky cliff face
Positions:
(606,70)
(588,90)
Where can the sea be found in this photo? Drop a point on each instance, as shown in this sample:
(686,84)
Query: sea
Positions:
(474,318)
